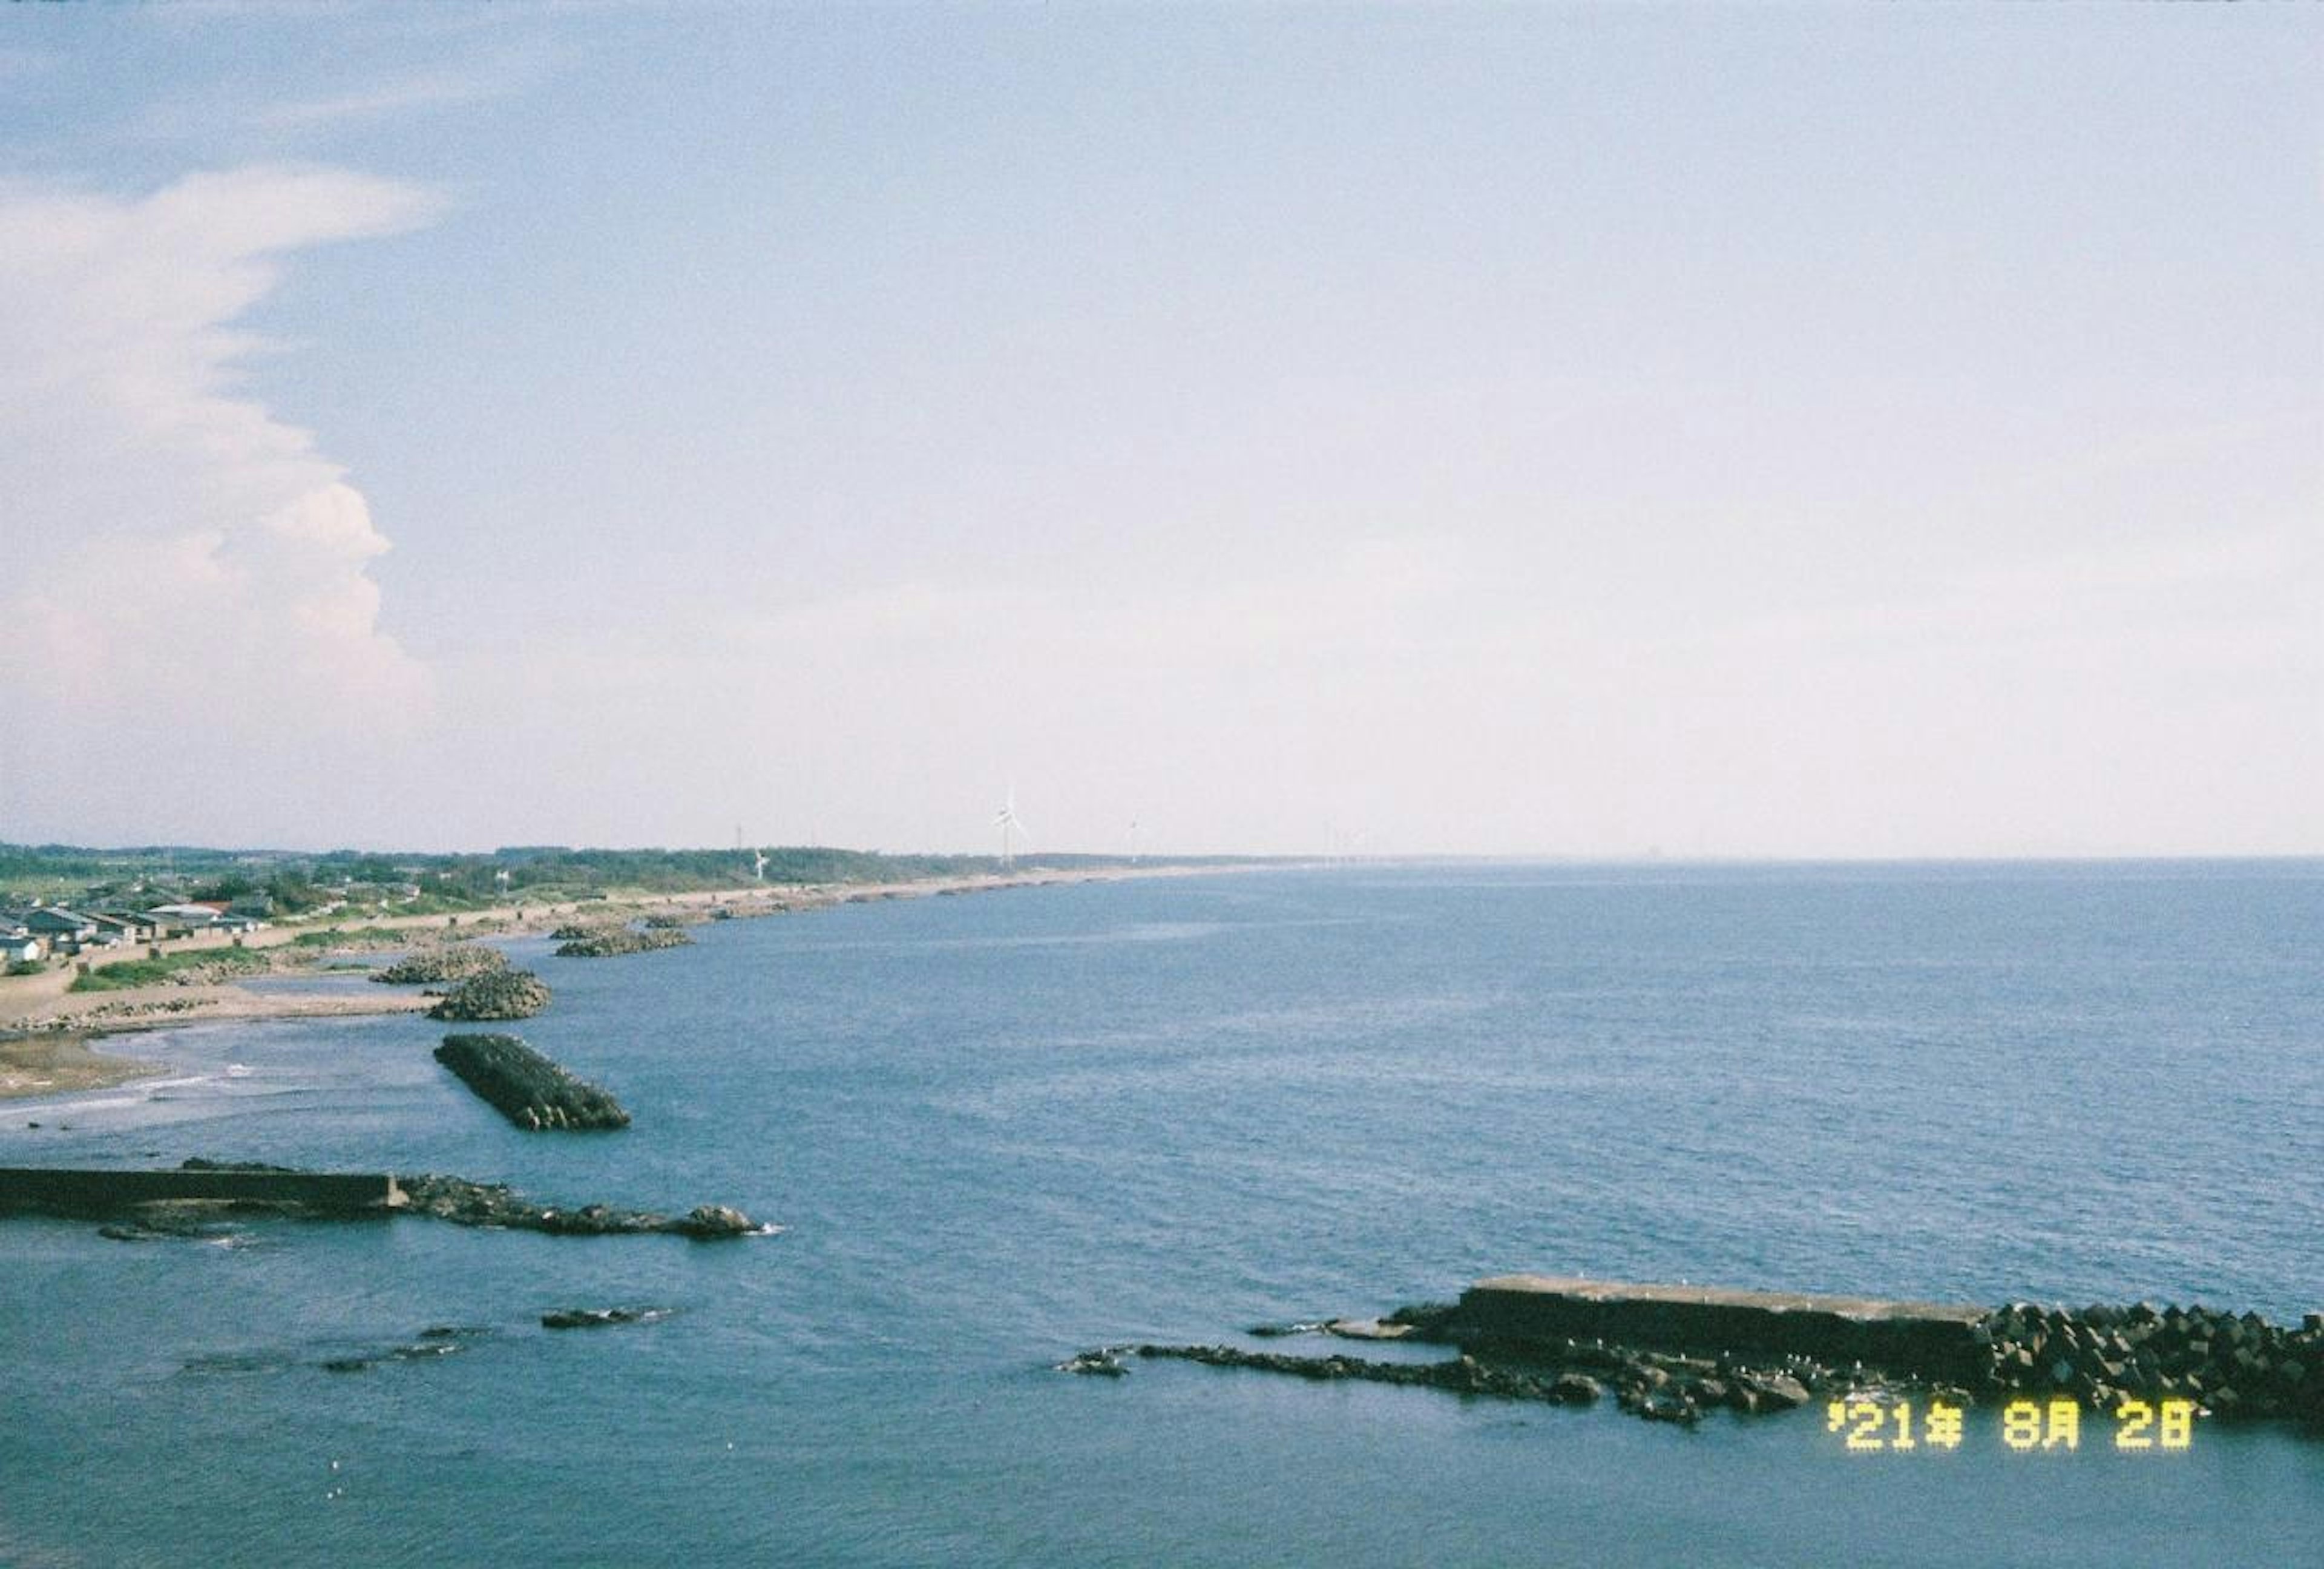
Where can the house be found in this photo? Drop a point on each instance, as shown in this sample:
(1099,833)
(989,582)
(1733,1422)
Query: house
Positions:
(22,948)
(126,925)
(182,921)
(54,921)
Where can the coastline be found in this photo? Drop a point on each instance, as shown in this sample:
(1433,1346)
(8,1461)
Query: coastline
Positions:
(45,1027)
(62,1064)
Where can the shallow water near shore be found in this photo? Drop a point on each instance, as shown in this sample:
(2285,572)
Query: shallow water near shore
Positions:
(1005,1128)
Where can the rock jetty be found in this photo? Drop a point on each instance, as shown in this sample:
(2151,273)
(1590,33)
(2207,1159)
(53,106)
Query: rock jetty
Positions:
(1674,1353)
(610,942)
(441,966)
(526,1087)
(495,994)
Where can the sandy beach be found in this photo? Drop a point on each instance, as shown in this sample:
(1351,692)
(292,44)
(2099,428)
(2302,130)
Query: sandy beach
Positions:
(45,1025)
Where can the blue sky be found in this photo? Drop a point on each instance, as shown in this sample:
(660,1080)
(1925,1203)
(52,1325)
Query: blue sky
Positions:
(1770,431)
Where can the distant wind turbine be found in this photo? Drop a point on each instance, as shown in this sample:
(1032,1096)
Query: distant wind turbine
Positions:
(759,865)
(1007,821)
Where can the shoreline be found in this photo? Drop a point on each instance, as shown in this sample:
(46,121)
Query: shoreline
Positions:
(33,1068)
(45,1027)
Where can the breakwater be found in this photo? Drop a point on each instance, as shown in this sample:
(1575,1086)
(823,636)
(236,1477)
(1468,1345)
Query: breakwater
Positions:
(1673,1352)
(1510,1314)
(526,1087)
(493,994)
(156,1202)
(48,1190)
(612,942)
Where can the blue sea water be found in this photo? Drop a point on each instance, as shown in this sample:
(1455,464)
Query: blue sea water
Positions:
(1003,1128)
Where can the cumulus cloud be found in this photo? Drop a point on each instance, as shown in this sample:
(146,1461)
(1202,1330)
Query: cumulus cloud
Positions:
(186,580)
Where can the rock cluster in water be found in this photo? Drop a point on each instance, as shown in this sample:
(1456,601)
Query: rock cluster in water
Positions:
(600,1317)
(1648,1384)
(609,941)
(493,995)
(438,966)
(526,1087)
(2232,1364)
(480,1204)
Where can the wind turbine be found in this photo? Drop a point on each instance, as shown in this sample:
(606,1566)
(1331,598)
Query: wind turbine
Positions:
(759,865)
(1005,819)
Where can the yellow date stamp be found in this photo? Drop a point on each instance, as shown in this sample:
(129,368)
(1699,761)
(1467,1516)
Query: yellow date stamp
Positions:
(2027,1426)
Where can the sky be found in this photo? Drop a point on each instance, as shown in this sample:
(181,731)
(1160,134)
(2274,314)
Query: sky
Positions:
(1527,431)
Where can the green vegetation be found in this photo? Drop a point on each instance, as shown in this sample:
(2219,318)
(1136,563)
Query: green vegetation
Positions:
(126,973)
(362,936)
(367,884)
(24,967)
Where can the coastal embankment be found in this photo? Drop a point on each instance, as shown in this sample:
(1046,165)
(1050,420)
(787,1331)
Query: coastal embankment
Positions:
(44,1004)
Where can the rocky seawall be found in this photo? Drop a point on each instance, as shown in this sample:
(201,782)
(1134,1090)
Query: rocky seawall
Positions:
(526,1087)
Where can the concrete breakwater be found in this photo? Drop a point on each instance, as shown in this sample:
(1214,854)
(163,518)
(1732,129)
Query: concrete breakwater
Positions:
(526,1087)
(54,1191)
(163,1203)
(1509,1314)
(1672,1353)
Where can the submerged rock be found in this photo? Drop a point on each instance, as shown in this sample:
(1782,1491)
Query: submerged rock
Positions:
(600,1317)
(712,1221)
(1105,1362)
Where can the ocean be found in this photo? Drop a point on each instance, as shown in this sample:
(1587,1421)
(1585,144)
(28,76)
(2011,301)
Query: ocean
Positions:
(1004,1128)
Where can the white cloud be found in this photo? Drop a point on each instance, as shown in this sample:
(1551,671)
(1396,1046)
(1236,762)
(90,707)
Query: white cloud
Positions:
(186,578)
(436,90)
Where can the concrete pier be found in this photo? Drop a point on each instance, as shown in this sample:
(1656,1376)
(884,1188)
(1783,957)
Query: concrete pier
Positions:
(1922,1338)
(56,1190)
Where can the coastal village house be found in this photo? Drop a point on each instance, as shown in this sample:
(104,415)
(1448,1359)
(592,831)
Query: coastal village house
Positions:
(180,920)
(126,925)
(65,931)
